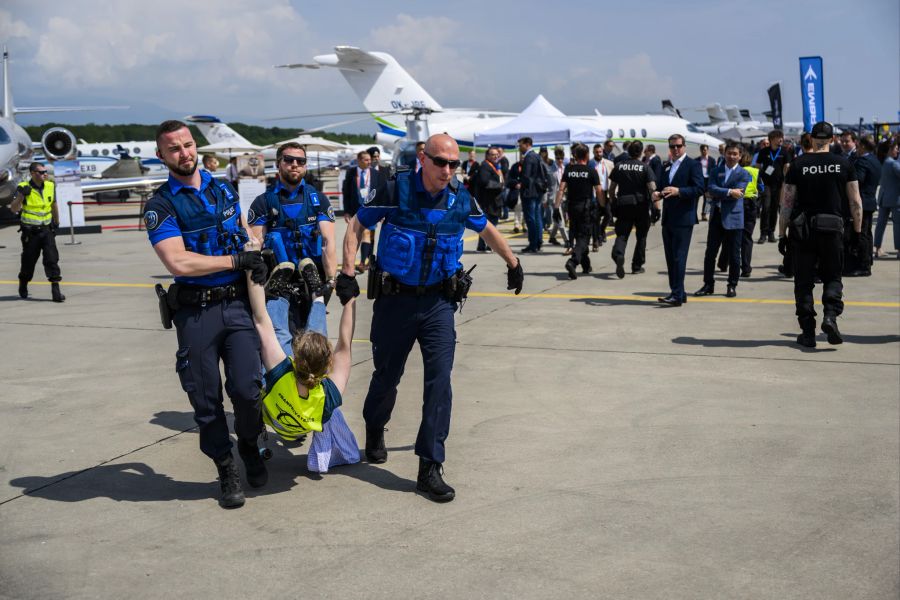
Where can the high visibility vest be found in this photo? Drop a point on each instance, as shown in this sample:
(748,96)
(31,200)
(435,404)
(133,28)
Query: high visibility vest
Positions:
(290,415)
(38,206)
(752,191)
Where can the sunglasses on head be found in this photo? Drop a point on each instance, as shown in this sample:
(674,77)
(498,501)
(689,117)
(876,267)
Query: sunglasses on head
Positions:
(675,146)
(287,159)
(443,162)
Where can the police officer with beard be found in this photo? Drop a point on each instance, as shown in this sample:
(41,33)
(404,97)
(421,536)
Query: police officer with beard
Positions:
(819,187)
(630,187)
(194,223)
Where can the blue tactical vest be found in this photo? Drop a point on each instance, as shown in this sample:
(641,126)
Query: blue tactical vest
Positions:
(418,252)
(294,233)
(212,234)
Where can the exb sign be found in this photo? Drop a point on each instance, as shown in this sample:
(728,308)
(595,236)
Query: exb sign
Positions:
(812,91)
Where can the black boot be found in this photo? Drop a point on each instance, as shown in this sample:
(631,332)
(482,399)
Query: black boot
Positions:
(830,328)
(57,295)
(257,474)
(431,483)
(23,288)
(571,267)
(376,453)
(230,483)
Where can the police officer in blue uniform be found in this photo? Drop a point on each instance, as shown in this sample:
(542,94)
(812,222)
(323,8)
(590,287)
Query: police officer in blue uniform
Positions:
(417,284)
(194,223)
(295,222)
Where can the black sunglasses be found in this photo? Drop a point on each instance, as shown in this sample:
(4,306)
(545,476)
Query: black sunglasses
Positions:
(443,162)
(300,160)
(41,172)
(674,146)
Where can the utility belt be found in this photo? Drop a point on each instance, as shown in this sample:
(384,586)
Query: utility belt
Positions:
(802,226)
(179,295)
(454,288)
(29,228)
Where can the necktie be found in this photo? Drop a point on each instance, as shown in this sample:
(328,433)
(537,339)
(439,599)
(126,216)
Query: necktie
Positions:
(362,179)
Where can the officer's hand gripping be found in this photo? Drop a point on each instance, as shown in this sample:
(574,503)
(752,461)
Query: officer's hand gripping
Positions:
(515,277)
(26,190)
(655,215)
(346,287)
(782,245)
(251,261)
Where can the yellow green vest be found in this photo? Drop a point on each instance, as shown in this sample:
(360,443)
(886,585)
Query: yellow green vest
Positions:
(289,415)
(752,191)
(37,209)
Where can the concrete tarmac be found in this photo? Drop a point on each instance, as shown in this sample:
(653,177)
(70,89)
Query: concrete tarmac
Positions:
(602,446)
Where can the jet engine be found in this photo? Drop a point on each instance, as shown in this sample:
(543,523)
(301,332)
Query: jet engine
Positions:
(59,144)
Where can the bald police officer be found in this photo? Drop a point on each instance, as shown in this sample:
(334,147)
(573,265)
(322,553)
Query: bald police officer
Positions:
(631,184)
(820,188)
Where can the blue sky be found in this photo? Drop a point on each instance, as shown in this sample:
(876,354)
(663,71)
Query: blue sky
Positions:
(168,59)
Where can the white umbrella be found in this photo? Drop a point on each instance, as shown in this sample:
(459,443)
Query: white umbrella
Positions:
(313,144)
(228,149)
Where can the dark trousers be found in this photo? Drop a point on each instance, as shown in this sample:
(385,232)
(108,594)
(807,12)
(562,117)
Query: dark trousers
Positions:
(821,254)
(531,210)
(37,241)
(718,236)
(493,220)
(398,322)
(676,243)
(206,334)
(580,232)
(769,216)
(638,217)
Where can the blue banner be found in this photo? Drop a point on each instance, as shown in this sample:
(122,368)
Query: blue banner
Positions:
(812,91)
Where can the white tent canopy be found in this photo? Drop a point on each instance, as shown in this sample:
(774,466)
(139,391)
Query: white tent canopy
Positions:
(314,144)
(543,123)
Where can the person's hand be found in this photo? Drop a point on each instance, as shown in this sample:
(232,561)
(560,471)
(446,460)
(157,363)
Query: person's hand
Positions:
(670,191)
(736,193)
(782,245)
(557,216)
(252,245)
(655,215)
(515,277)
(253,262)
(656,196)
(346,287)
(25,189)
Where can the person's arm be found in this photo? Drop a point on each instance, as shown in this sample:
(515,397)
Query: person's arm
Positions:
(270,349)
(498,244)
(788,196)
(258,232)
(559,194)
(856,211)
(182,263)
(351,245)
(55,211)
(340,367)
(329,256)
(18,201)
(611,192)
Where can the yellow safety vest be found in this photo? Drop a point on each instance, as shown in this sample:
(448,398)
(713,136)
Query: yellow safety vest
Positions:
(37,209)
(752,191)
(287,413)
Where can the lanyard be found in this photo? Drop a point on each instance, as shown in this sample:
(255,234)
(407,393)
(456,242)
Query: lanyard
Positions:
(774,157)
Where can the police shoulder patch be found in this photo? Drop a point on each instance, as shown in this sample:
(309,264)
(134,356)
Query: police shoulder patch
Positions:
(330,213)
(151,219)
(251,216)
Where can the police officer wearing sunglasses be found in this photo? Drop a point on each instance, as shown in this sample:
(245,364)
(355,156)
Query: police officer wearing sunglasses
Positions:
(417,285)
(40,218)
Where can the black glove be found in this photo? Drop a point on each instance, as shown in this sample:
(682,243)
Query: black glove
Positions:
(515,277)
(53,227)
(346,288)
(326,290)
(25,189)
(253,262)
(782,245)
(655,215)
(557,215)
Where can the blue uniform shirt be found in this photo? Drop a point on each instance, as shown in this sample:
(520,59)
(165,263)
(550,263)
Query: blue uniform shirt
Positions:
(380,207)
(162,222)
(259,209)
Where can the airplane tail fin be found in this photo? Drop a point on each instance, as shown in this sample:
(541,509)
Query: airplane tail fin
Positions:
(716,113)
(377,79)
(734,113)
(215,131)
(670,109)
(7,92)
(745,114)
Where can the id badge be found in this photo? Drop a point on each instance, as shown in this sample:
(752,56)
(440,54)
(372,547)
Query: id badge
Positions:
(769,170)
(364,192)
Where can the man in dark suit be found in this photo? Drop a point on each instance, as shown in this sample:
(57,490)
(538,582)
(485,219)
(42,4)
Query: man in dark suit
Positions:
(681,185)
(654,162)
(470,170)
(726,187)
(530,193)
(858,249)
(360,181)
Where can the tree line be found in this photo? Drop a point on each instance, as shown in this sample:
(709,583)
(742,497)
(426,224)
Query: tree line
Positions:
(261,136)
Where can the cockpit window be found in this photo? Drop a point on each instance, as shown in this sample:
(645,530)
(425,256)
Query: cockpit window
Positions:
(692,128)
(4,137)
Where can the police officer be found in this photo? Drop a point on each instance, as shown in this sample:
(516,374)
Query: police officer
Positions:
(295,222)
(40,218)
(579,182)
(819,187)
(194,223)
(415,284)
(630,186)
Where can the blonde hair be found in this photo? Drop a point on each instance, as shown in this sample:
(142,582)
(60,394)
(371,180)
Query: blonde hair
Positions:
(312,357)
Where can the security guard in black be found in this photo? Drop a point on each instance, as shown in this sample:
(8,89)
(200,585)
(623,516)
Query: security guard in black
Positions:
(578,183)
(816,194)
(631,185)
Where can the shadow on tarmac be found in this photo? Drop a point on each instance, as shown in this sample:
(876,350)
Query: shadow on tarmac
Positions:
(622,302)
(28,299)
(722,343)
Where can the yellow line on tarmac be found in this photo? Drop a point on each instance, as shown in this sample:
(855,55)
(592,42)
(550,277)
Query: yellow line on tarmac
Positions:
(545,296)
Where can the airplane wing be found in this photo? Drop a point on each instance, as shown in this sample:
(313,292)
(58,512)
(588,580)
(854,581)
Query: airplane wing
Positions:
(21,110)
(90,186)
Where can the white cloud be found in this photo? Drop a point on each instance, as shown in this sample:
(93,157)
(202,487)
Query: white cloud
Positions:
(13,28)
(636,77)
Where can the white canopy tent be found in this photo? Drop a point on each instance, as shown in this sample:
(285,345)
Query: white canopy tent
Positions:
(544,124)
